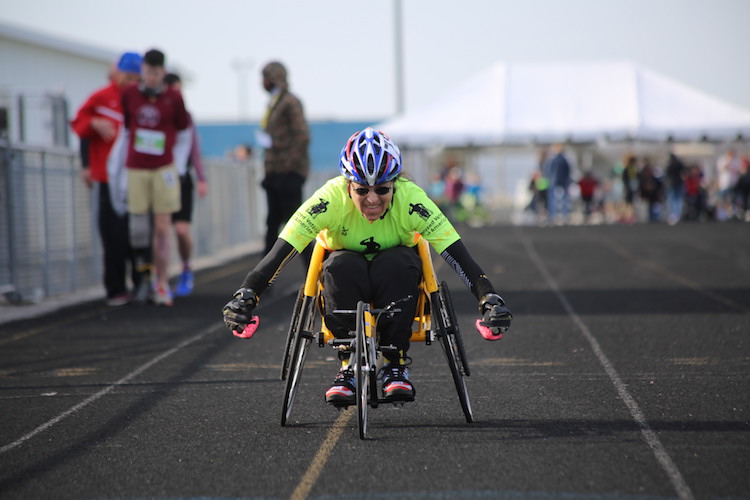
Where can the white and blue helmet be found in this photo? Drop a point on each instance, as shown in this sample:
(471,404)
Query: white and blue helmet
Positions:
(370,157)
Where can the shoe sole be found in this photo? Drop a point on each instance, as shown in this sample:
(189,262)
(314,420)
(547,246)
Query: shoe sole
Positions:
(398,395)
(340,404)
(339,399)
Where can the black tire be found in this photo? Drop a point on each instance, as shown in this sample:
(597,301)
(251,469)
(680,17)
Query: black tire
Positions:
(302,336)
(453,327)
(362,370)
(290,334)
(450,339)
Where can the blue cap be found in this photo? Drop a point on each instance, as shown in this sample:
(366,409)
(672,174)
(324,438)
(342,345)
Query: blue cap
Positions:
(130,62)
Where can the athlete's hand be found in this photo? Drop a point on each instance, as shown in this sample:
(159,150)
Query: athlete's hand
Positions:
(496,317)
(238,313)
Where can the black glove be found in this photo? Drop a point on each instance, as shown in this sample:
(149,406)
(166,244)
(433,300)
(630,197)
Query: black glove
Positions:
(238,312)
(496,317)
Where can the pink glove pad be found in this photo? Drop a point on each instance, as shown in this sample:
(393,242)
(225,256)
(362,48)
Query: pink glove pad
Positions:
(249,330)
(485,332)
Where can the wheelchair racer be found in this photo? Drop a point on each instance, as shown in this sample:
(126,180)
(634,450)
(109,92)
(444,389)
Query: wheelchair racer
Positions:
(370,218)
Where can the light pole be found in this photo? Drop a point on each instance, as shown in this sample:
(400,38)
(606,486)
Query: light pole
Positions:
(398,44)
(242,67)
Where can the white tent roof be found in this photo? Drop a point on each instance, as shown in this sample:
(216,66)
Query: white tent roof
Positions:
(578,102)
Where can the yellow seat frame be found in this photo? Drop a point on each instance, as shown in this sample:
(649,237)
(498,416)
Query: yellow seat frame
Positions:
(422,321)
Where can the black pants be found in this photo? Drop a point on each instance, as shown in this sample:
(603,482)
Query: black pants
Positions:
(284,195)
(393,274)
(113,230)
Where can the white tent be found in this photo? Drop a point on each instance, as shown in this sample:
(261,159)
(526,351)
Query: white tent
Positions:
(576,102)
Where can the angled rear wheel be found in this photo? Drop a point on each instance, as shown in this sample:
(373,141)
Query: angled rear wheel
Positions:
(290,334)
(450,339)
(302,335)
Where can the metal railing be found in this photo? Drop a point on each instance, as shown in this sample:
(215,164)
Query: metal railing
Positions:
(49,243)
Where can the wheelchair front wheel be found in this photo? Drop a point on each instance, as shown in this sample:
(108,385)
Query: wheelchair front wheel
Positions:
(363,368)
(450,339)
(301,337)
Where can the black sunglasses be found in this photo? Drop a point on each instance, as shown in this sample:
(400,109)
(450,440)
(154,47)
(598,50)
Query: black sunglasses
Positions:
(378,190)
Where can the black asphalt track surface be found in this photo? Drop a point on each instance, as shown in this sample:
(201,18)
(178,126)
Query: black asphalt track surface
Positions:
(626,375)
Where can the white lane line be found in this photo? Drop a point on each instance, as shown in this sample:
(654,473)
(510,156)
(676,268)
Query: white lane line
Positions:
(620,250)
(652,440)
(124,380)
(94,397)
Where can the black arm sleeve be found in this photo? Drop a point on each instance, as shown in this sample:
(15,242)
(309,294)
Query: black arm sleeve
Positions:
(270,266)
(458,257)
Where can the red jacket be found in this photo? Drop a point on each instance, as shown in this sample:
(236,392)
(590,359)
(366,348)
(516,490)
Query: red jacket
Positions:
(104,103)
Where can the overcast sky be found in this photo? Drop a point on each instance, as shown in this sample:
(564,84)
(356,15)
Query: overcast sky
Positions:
(340,53)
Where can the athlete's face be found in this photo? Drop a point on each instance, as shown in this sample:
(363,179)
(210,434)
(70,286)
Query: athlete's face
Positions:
(367,200)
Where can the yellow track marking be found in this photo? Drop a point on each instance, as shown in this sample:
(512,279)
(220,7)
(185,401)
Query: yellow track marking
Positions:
(322,456)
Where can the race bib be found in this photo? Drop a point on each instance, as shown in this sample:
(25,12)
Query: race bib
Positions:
(150,142)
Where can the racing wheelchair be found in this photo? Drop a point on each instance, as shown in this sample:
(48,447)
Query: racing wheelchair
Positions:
(434,321)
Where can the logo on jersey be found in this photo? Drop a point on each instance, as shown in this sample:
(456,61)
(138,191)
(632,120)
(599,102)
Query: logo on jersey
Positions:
(318,209)
(420,210)
(371,246)
(148,116)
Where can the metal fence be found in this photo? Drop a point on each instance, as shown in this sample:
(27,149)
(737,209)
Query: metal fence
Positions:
(49,244)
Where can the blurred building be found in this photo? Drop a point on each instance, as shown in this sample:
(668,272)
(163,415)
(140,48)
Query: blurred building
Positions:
(327,137)
(43,80)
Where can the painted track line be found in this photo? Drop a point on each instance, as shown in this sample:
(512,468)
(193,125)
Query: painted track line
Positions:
(326,449)
(650,437)
(321,457)
(621,251)
(124,380)
(94,397)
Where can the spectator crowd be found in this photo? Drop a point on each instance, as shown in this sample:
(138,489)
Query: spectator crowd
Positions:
(637,189)
(139,155)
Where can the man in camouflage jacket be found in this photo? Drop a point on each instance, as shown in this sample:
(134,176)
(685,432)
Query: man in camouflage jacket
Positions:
(287,163)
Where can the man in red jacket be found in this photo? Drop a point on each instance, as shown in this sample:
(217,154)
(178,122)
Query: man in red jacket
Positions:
(97,124)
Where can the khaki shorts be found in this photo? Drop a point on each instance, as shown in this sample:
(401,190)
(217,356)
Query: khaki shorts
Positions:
(153,190)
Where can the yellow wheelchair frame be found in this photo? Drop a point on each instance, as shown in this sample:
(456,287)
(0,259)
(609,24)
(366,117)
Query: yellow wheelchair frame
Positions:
(434,320)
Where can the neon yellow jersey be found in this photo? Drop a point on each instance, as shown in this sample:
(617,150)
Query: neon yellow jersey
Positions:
(343,227)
